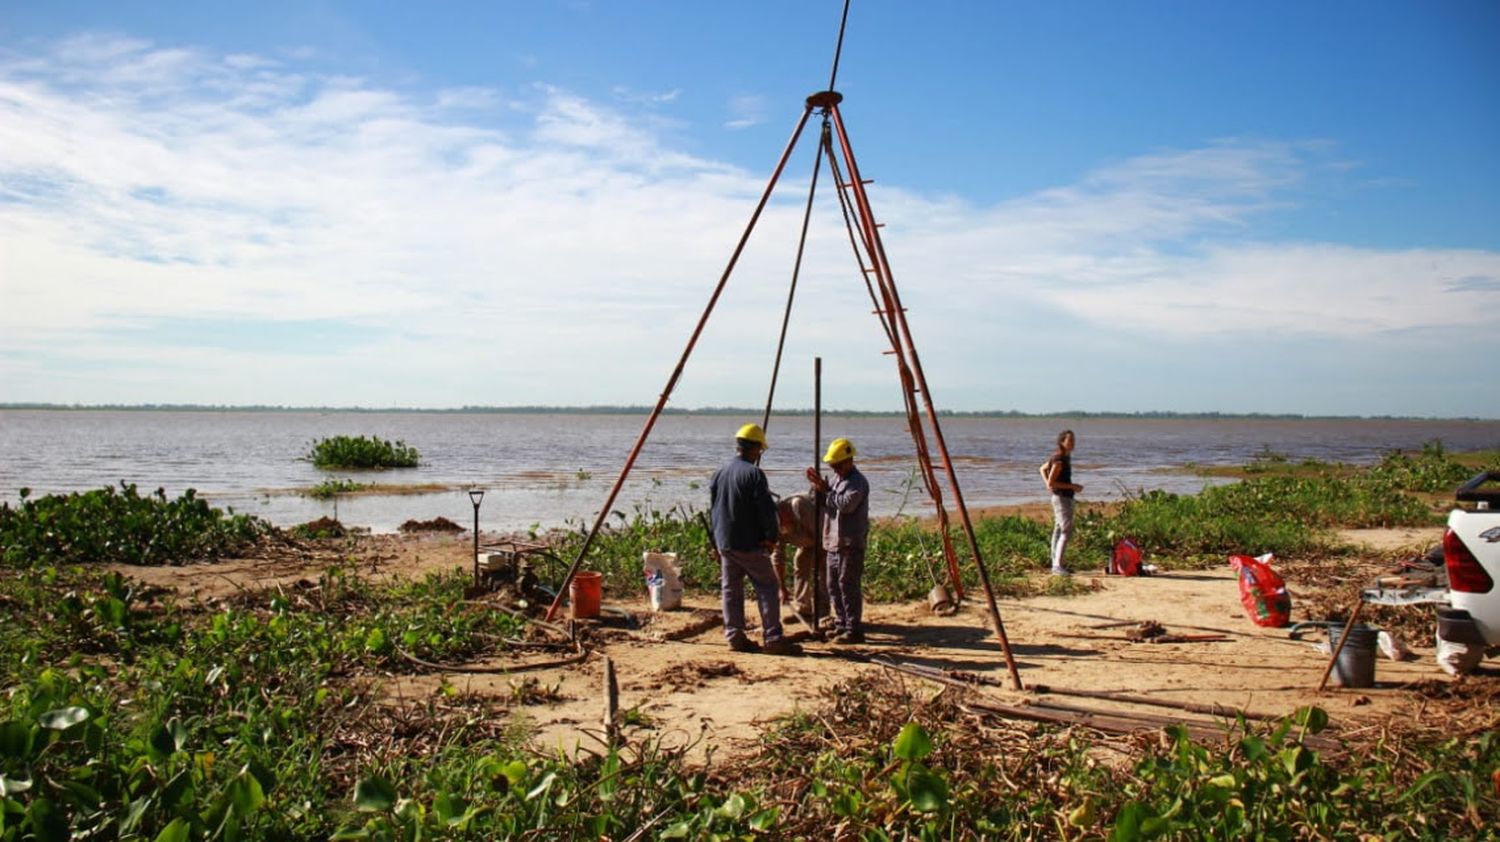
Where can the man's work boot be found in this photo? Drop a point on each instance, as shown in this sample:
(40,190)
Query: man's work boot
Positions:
(849,637)
(782,646)
(743,644)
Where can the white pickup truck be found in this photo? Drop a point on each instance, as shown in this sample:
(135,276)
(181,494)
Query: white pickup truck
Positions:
(1471,553)
(1471,562)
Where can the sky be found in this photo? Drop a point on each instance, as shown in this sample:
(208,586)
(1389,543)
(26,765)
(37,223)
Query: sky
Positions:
(1277,207)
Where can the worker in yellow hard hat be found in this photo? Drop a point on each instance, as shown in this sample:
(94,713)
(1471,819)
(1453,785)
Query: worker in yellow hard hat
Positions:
(846,529)
(754,434)
(745,529)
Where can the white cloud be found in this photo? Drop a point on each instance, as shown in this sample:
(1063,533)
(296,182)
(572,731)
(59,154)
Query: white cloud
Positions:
(538,247)
(745,111)
(629,95)
(1166,243)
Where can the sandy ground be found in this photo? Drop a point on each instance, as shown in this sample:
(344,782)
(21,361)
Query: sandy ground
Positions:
(677,677)
(1410,540)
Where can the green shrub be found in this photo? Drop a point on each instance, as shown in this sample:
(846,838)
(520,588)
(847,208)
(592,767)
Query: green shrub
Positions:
(111,525)
(361,452)
(329,488)
(1431,470)
(616,551)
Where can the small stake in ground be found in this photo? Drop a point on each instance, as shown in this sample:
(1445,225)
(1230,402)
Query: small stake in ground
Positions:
(611,703)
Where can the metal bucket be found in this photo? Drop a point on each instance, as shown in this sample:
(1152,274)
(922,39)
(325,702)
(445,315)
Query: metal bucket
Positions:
(940,601)
(1355,666)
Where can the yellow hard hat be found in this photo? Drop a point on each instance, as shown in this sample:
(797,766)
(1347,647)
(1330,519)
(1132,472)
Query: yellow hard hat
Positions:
(838,451)
(753,432)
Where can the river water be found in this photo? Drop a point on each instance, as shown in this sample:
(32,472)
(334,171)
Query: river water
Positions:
(553,470)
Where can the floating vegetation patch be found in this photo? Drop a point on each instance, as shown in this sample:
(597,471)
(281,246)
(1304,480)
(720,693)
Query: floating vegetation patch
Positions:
(361,452)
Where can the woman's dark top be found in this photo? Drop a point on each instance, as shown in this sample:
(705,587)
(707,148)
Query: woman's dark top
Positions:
(1065,474)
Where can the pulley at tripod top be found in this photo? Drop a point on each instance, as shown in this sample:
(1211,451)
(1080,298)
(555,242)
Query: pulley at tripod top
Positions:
(824,99)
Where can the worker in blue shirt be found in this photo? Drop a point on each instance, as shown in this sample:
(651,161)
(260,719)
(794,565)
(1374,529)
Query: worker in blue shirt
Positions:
(745,530)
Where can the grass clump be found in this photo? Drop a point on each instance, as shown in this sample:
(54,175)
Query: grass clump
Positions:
(330,488)
(110,525)
(363,452)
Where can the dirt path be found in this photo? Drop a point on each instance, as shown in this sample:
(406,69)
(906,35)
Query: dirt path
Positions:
(679,679)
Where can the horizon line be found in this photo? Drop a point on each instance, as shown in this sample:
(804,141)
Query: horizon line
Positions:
(626,409)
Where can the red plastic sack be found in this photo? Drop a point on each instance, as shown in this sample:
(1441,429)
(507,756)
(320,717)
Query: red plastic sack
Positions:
(1126,559)
(1262,591)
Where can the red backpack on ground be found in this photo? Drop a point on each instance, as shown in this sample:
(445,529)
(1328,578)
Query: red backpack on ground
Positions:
(1126,559)
(1262,591)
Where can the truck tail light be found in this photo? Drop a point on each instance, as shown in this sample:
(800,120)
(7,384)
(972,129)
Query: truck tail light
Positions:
(1465,574)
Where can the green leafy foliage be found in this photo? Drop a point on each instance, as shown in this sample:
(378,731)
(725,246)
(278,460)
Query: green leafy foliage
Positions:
(329,488)
(231,724)
(1431,470)
(148,720)
(906,555)
(120,526)
(361,452)
(617,550)
(126,715)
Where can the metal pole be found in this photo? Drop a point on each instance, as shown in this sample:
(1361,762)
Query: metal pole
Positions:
(475,497)
(666,393)
(819,573)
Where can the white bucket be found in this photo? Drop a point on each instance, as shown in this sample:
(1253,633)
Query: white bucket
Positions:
(663,580)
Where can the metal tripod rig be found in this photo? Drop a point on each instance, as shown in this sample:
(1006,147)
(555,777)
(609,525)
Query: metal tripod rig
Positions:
(864,234)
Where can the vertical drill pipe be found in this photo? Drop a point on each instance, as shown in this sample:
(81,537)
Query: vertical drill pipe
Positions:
(661,402)
(791,293)
(899,316)
(819,572)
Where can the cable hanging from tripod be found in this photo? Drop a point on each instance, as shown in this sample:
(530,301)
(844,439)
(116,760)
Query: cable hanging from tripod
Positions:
(838,48)
(786,317)
(824,142)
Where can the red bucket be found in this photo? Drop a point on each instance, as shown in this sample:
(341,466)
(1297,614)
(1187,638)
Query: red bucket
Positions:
(584,593)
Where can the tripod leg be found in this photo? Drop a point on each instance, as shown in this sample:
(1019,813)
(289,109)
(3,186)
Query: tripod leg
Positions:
(666,393)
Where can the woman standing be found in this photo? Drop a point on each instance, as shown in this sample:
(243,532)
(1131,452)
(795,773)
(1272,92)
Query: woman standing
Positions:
(1058,471)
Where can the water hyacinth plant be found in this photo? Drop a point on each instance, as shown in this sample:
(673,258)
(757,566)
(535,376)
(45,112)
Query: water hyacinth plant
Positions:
(119,525)
(343,452)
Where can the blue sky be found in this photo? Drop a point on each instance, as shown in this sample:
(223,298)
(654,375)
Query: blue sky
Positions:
(1268,207)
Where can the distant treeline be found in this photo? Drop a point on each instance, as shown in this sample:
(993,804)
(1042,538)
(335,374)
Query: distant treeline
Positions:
(712,410)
